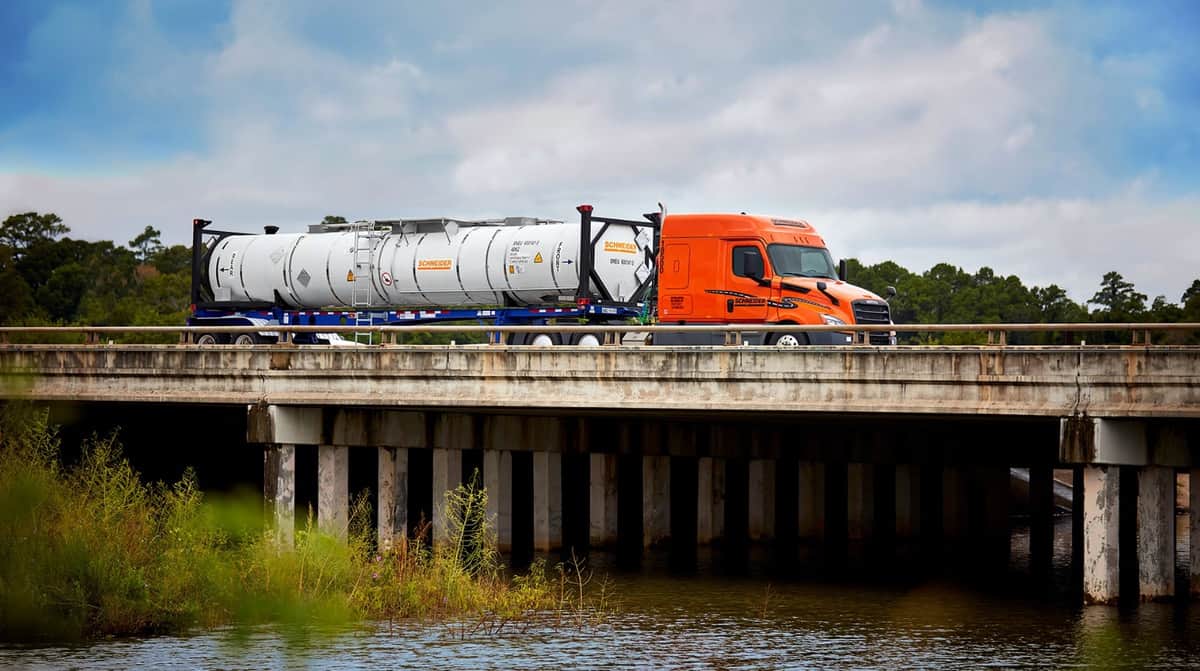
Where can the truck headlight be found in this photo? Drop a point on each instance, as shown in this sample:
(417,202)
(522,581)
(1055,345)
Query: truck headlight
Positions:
(833,321)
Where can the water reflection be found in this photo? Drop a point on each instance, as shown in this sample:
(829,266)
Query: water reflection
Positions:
(712,619)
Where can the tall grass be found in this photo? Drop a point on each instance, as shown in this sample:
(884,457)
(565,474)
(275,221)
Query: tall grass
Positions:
(91,551)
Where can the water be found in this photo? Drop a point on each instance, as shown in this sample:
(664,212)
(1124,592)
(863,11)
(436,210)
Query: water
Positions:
(712,621)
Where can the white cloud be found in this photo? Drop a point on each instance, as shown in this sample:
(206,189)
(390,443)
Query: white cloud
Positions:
(916,134)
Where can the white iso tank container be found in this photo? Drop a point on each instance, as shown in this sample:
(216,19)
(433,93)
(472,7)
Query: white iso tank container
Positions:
(423,264)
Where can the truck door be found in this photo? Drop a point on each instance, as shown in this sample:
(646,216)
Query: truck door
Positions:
(745,298)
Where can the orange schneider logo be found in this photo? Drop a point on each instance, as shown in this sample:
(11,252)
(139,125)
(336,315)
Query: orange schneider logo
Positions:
(434,264)
(620,247)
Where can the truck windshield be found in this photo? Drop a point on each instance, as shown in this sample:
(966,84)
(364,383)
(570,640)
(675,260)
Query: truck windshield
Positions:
(798,261)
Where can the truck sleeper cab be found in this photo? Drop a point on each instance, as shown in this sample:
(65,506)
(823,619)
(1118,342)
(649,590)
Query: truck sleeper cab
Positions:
(738,268)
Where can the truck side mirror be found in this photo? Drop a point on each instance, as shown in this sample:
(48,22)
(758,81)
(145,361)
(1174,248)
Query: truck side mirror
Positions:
(754,266)
(891,292)
(842,270)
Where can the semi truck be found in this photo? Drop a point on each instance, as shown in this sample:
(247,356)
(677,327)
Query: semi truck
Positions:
(664,268)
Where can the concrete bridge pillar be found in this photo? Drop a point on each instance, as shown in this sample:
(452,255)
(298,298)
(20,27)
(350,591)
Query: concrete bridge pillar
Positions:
(547,501)
(1194,531)
(860,501)
(279,483)
(1156,533)
(656,499)
(908,501)
(761,488)
(447,476)
(810,520)
(392,491)
(602,503)
(710,499)
(1151,453)
(955,493)
(497,479)
(704,499)
(990,526)
(1041,519)
(333,489)
(1101,534)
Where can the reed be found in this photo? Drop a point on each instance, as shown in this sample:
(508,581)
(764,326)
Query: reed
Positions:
(92,551)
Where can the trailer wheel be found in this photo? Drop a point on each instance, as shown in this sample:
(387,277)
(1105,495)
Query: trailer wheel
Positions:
(543,340)
(212,339)
(244,339)
(788,339)
(588,340)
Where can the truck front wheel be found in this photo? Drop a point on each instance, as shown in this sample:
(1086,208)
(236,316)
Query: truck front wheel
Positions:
(789,339)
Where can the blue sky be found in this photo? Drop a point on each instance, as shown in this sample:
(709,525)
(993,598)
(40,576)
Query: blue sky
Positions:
(1055,141)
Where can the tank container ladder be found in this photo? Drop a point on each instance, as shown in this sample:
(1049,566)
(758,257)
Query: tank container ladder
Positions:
(365,239)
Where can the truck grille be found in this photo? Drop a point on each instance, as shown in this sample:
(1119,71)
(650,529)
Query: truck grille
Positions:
(873,312)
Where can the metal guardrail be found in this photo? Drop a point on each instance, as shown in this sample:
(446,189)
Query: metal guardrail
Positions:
(997,334)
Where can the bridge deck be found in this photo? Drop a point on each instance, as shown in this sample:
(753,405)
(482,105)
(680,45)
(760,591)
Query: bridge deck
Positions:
(1100,381)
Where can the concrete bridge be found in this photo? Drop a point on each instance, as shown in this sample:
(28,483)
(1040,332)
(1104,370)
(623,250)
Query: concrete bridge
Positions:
(633,446)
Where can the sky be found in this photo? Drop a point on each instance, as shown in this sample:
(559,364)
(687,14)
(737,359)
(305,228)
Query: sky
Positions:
(1051,140)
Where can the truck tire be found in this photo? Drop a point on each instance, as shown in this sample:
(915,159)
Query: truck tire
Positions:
(789,339)
(589,340)
(244,339)
(207,339)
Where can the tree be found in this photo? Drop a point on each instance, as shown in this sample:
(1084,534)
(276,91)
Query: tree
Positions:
(173,259)
(1117,298)
(332,219)
(1191,292)
(1056,307)
(16,298)
(22,231)
(147,243)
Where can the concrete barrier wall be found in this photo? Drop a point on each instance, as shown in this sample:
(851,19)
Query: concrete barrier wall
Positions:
(1059,382)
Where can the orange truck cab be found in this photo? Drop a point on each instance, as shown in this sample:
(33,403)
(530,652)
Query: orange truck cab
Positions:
(747,269)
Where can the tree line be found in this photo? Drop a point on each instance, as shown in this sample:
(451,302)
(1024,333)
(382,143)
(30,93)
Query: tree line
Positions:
(48,277)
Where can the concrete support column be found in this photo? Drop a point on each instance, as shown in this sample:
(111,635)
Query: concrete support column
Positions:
(860,501)
(1101,534)
(811,513)
(656,499)
(547,501)
(602,505)
(704,500)
(497,479)
(279,484)
(762,499)
(1041,518)
(954,503)
(393,495)
(1194,531)
(994,535)
(718,498)
(1156,532)
(908,501)
(447,476)
(333,489)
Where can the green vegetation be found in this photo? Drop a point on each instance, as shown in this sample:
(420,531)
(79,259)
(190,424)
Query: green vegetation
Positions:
(946,294)
(92,551)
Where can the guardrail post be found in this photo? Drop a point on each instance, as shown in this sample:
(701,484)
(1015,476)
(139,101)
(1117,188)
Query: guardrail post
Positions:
(612,338)
(1004,338)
